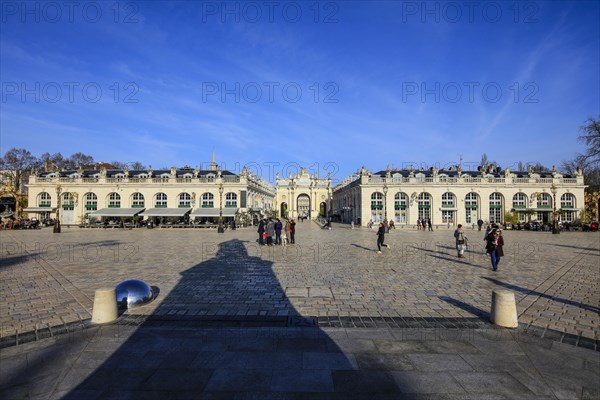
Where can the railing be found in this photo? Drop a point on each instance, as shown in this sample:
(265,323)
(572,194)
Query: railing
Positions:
(138,180)
(521,180)
(496,180)
(184,180)
(89,180)
(544,180)
(160,180)
(569,180)
(115,180)
(473,180)
(67,179)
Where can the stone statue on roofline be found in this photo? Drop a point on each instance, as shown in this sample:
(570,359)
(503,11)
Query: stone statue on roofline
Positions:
(458,170)
(507,172)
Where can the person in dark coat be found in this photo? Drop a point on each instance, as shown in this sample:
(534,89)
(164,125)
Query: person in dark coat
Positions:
(381,237)
(479,224)
(292,231)
(429,224)
(494,247)
(278,229)
(261,230)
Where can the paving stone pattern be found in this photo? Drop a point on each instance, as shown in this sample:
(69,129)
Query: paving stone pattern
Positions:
(327,318)
(49,279)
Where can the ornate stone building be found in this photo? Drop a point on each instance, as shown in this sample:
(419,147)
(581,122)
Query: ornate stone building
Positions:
(453,196)
(185,193)
(303,195)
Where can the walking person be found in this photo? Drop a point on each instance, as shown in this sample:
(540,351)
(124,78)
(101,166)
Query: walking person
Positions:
(429,224)
(261,230)
(479,224)
(461,241)
(494,247)
(292,231)
(381,237)
(418,224)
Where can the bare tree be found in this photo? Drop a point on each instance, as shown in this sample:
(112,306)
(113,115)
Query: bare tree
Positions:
(79,159)
(15,167)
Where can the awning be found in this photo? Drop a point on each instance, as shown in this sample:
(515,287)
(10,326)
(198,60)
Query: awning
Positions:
(165,212)
(213,212)
(116,212)
(39,209)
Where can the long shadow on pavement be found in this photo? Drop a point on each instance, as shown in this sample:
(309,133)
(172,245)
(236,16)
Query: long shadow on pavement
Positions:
(223,331)
(543,295)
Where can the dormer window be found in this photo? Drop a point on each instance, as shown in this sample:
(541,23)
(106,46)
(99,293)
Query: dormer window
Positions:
(120,175)
(165,176)
(188,175)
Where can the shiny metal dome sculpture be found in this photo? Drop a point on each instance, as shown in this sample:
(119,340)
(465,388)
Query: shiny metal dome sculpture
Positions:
(133,293)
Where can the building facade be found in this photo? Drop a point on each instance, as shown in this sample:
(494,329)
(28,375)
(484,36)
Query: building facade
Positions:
(187,193)
(303,196)
(453,196)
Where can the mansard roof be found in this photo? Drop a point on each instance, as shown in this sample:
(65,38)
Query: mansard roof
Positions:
(497,172)
(111,173)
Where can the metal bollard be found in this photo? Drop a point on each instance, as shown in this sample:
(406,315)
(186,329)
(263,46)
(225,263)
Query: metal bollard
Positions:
(504,309)
(105,306)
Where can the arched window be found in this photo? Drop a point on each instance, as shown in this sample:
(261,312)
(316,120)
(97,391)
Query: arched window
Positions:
(90,201)
(231,200)
(448,207)
(208,200)
(185,200)
(448,200)
(567,205)
(544,201)
(519,201)
(376,201)
(471,207)
(400,206)
(137,200)
(424,205)
(377,207)
(160,200)
(567,200)
(400,201)
(519,204)
(67,201)
(496,207)
(114,200)
(44,199)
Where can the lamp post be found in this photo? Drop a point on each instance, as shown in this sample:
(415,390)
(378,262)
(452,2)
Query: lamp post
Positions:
(385,190)
(554,189)
(57,221)
(221,229)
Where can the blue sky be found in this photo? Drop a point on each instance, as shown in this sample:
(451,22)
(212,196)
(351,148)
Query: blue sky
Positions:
(329,86)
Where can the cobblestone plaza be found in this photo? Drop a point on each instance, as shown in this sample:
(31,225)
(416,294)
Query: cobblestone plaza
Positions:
(333,279)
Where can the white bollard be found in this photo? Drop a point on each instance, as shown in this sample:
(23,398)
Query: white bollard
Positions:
(105,306)
(504,309)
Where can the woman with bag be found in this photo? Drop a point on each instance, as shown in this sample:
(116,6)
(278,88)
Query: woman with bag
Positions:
(461,241)
(494,245)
